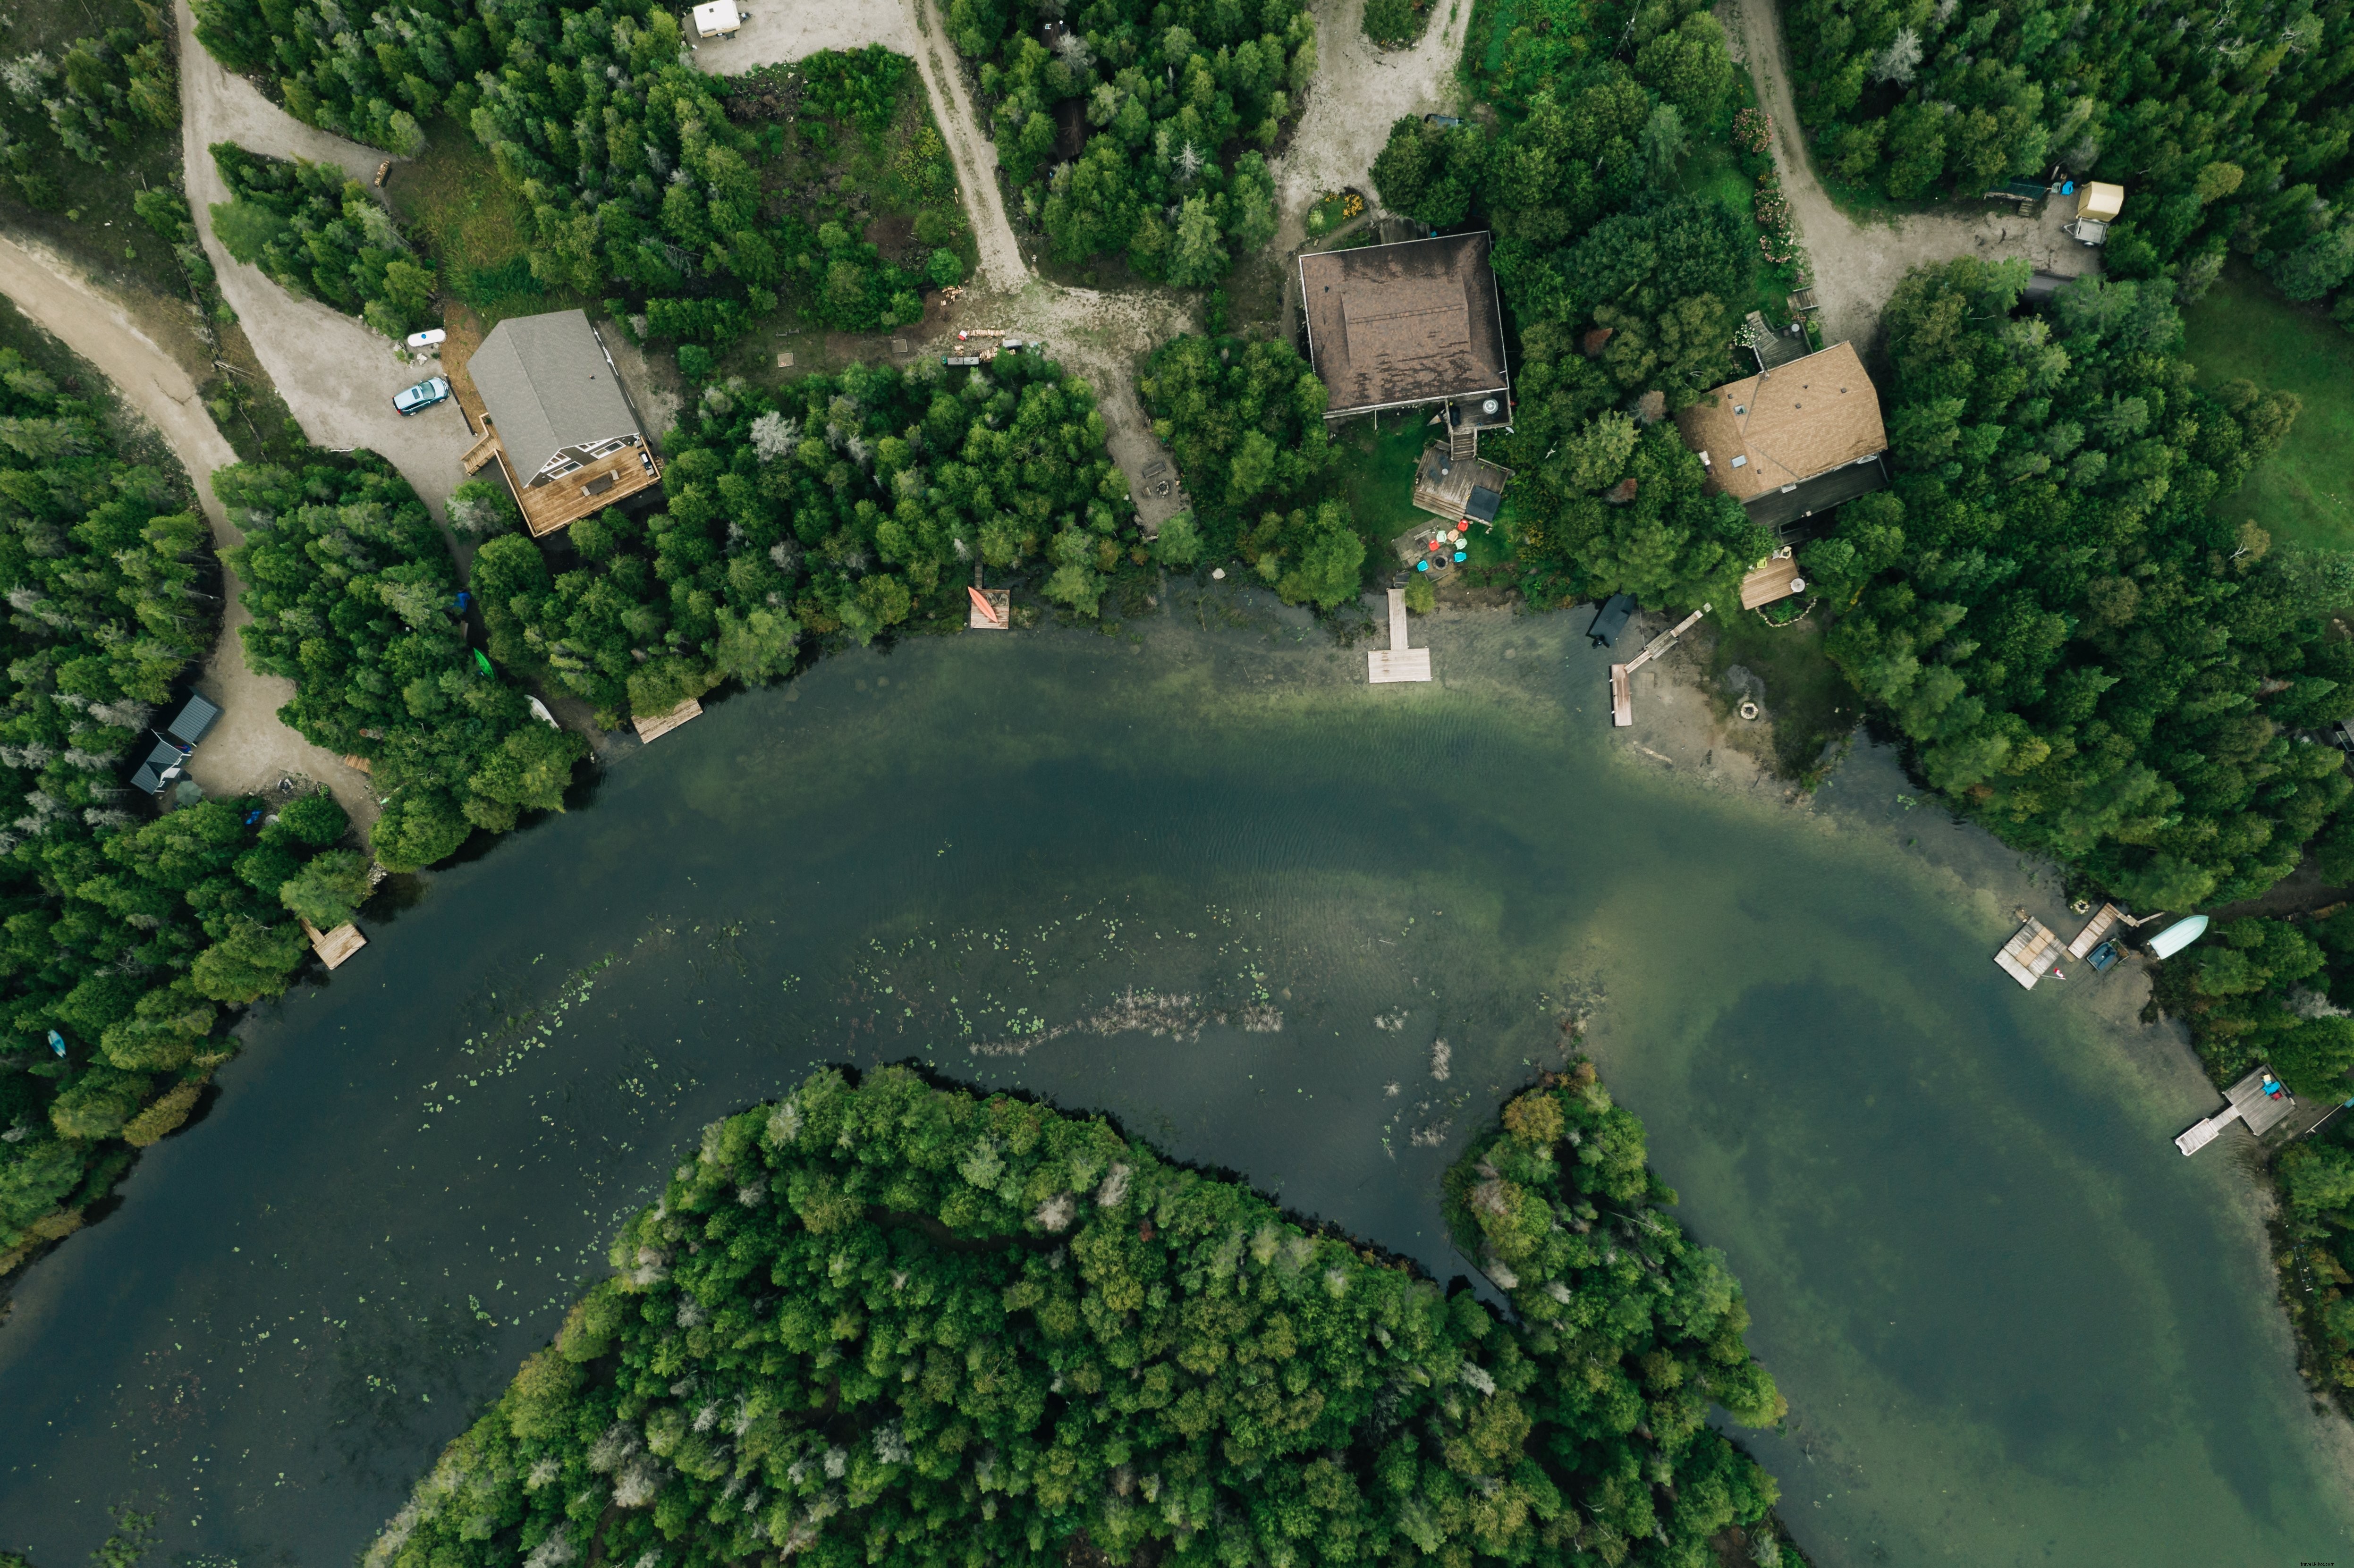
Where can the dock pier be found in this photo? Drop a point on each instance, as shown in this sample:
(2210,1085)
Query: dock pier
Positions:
(2249,1104)
(1397,661)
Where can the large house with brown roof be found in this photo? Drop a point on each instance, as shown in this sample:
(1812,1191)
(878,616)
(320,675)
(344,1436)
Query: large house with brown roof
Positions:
(1407,324)
(1794,440)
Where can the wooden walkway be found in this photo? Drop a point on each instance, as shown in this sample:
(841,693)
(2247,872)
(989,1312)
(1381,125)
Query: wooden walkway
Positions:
(1396,662)
(2029,953)
(1622,676)
(2249,1104)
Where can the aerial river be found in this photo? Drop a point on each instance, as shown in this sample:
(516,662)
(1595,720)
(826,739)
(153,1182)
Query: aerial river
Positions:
(1207,880)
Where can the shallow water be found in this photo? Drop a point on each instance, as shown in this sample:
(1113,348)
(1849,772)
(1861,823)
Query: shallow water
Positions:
(1212,884)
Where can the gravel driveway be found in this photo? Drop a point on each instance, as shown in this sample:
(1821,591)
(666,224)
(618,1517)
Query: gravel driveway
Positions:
(1857,265)
(1359,93)
(336,376)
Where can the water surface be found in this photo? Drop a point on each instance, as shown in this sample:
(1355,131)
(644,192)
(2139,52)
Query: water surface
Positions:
(1209,882)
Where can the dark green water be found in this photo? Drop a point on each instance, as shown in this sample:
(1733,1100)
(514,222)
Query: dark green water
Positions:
(1216,886)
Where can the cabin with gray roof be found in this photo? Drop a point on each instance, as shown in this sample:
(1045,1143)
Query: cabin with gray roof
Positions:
(558,420)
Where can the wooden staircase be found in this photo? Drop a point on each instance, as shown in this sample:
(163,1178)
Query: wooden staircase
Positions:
(485,449)
(1462,441)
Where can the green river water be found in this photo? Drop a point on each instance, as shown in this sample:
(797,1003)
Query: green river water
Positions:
(1209,882)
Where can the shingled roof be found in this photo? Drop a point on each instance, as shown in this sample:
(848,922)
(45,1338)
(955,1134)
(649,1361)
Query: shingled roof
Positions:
(1768,434)
(546,385)
(1392,325)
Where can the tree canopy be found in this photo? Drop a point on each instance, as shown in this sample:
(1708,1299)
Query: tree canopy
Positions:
(848,506)
(1625,295)
(1153,101)
(884,1319)
(633,173)
(353,598)
(2228,125)
(318,233)
(2084,653)
(125,934)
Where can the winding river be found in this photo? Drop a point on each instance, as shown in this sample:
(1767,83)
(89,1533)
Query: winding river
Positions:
(1204,878)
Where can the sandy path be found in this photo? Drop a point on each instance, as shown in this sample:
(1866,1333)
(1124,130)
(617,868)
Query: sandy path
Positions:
(1857,266)
(336,376)
(1359,93)
(249,749)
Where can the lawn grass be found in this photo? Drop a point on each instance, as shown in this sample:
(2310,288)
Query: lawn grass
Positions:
(1808,699)
(1376,476)
(2304,491)
(475,226)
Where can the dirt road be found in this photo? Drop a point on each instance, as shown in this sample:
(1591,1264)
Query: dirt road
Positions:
(250,748)
(1857,265)
(336,376)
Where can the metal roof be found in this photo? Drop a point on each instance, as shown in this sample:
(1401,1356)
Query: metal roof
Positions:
(546,385)
(195,721)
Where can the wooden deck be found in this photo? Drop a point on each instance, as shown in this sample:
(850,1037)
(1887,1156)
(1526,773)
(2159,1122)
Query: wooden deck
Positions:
(484,452)
(1773,579)
(991,609)
(1446,494)
(655,727)
(1397,662)
(586,490)
(2249,1104)
(2103,921)
(2029,953)
(1622,697)
(333,947)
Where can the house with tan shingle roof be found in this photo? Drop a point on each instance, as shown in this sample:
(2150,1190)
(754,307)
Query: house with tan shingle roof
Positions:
(1794,440)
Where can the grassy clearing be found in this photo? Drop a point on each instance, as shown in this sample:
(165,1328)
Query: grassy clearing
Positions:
(1377,475)
(1809,702)
(2304,491)
(476,228)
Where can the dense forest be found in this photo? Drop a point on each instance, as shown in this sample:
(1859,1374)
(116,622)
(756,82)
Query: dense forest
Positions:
(1154,120)
(633,172)
(1626,293)
(2084,654)
(843,506)
(124,934)
(886,1319)
(354,598)
(318,233)
(2229,125)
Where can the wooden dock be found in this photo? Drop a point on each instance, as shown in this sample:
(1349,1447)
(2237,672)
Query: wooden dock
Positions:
(1396,662)
(333,947)
(992,609)
(2029,953)
(1622,676)
(655,727)
(2103,921)
(2249,1104)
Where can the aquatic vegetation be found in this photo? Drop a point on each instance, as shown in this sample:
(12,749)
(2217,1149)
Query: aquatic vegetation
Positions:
(979,1330)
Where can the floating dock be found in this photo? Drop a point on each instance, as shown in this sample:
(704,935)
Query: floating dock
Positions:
(992,609)
(1622,698)
(1397,661)
(2029,953)
(2249,1104)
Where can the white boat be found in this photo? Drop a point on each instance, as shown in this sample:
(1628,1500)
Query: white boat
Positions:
(2177,936)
